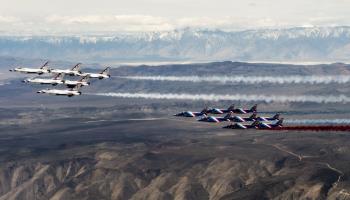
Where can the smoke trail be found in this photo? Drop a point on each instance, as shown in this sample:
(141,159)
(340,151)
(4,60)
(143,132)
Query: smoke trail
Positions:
(237,97)
(340,79)
(124,120)
(317,121)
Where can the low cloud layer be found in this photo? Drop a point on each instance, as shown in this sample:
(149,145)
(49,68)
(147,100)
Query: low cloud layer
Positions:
(42,16)
(80,24)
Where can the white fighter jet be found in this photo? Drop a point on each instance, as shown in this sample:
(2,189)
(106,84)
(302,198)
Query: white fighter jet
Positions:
(206,118)
(42,70)
(278,124)
(58,79)
(104,74)
(71,72)
(233,109)
(254,125)
(71,84)
(66,92)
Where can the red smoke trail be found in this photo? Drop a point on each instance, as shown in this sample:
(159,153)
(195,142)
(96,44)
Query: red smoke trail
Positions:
(315,128)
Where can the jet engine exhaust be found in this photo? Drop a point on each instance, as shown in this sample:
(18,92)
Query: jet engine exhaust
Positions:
(318,121)
(236,97)
(297,79)
(313,128)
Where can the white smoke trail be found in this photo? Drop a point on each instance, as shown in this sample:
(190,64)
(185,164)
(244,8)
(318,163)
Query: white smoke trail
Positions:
(317,121)
(124,120)
(340,79)
(236,97)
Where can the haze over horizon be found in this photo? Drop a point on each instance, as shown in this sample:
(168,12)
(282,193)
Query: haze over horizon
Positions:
(176,30)
(51,17)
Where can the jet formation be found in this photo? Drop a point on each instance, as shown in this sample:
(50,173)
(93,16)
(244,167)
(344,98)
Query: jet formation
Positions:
(232,114)
(72,87)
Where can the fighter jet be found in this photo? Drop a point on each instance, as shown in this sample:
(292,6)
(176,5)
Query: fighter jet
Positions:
(265,119)
(191,114)
(206,118)
(71,84)
(48,81)
(241,126)
(67,92)
(233,109)
(254,117)
(220,111)
(71,72)
(104,74)
(278,124)
(251,118)
(244,111)
(42,70)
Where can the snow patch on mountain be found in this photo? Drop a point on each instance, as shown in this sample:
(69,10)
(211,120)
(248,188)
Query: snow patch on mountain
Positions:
(293,44)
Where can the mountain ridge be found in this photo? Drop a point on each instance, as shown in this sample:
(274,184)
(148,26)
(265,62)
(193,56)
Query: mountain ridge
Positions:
(293,44)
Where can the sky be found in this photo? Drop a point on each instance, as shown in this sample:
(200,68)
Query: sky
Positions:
(55,16)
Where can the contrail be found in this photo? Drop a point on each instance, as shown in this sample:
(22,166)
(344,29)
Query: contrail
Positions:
(339,79)
(317,121)
(236,97)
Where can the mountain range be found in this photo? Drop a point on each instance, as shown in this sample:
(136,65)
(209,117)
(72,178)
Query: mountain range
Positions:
(329,44)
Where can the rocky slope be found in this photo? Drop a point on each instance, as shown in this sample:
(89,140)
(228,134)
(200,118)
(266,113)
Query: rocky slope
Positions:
(221,165)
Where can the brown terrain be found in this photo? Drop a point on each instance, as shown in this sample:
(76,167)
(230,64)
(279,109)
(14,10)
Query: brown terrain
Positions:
(95,147)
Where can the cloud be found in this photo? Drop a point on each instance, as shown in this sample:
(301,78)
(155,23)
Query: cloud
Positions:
(114,22)
(8,19)
(167,23)
(105,19)
(156,23)
(146,23)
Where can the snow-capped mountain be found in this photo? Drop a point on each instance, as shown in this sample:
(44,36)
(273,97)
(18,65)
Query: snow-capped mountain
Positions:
(294,44)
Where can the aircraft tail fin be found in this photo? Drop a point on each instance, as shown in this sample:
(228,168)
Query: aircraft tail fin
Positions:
(203,117)
(229,115)
(254,108)
(231,108)
(59,76)
(253,116)
(279,122)
(44,66)
(76,67)
(106,71)
(77,87)
(204,111)
(85,79)
(276,116)
(255,123)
